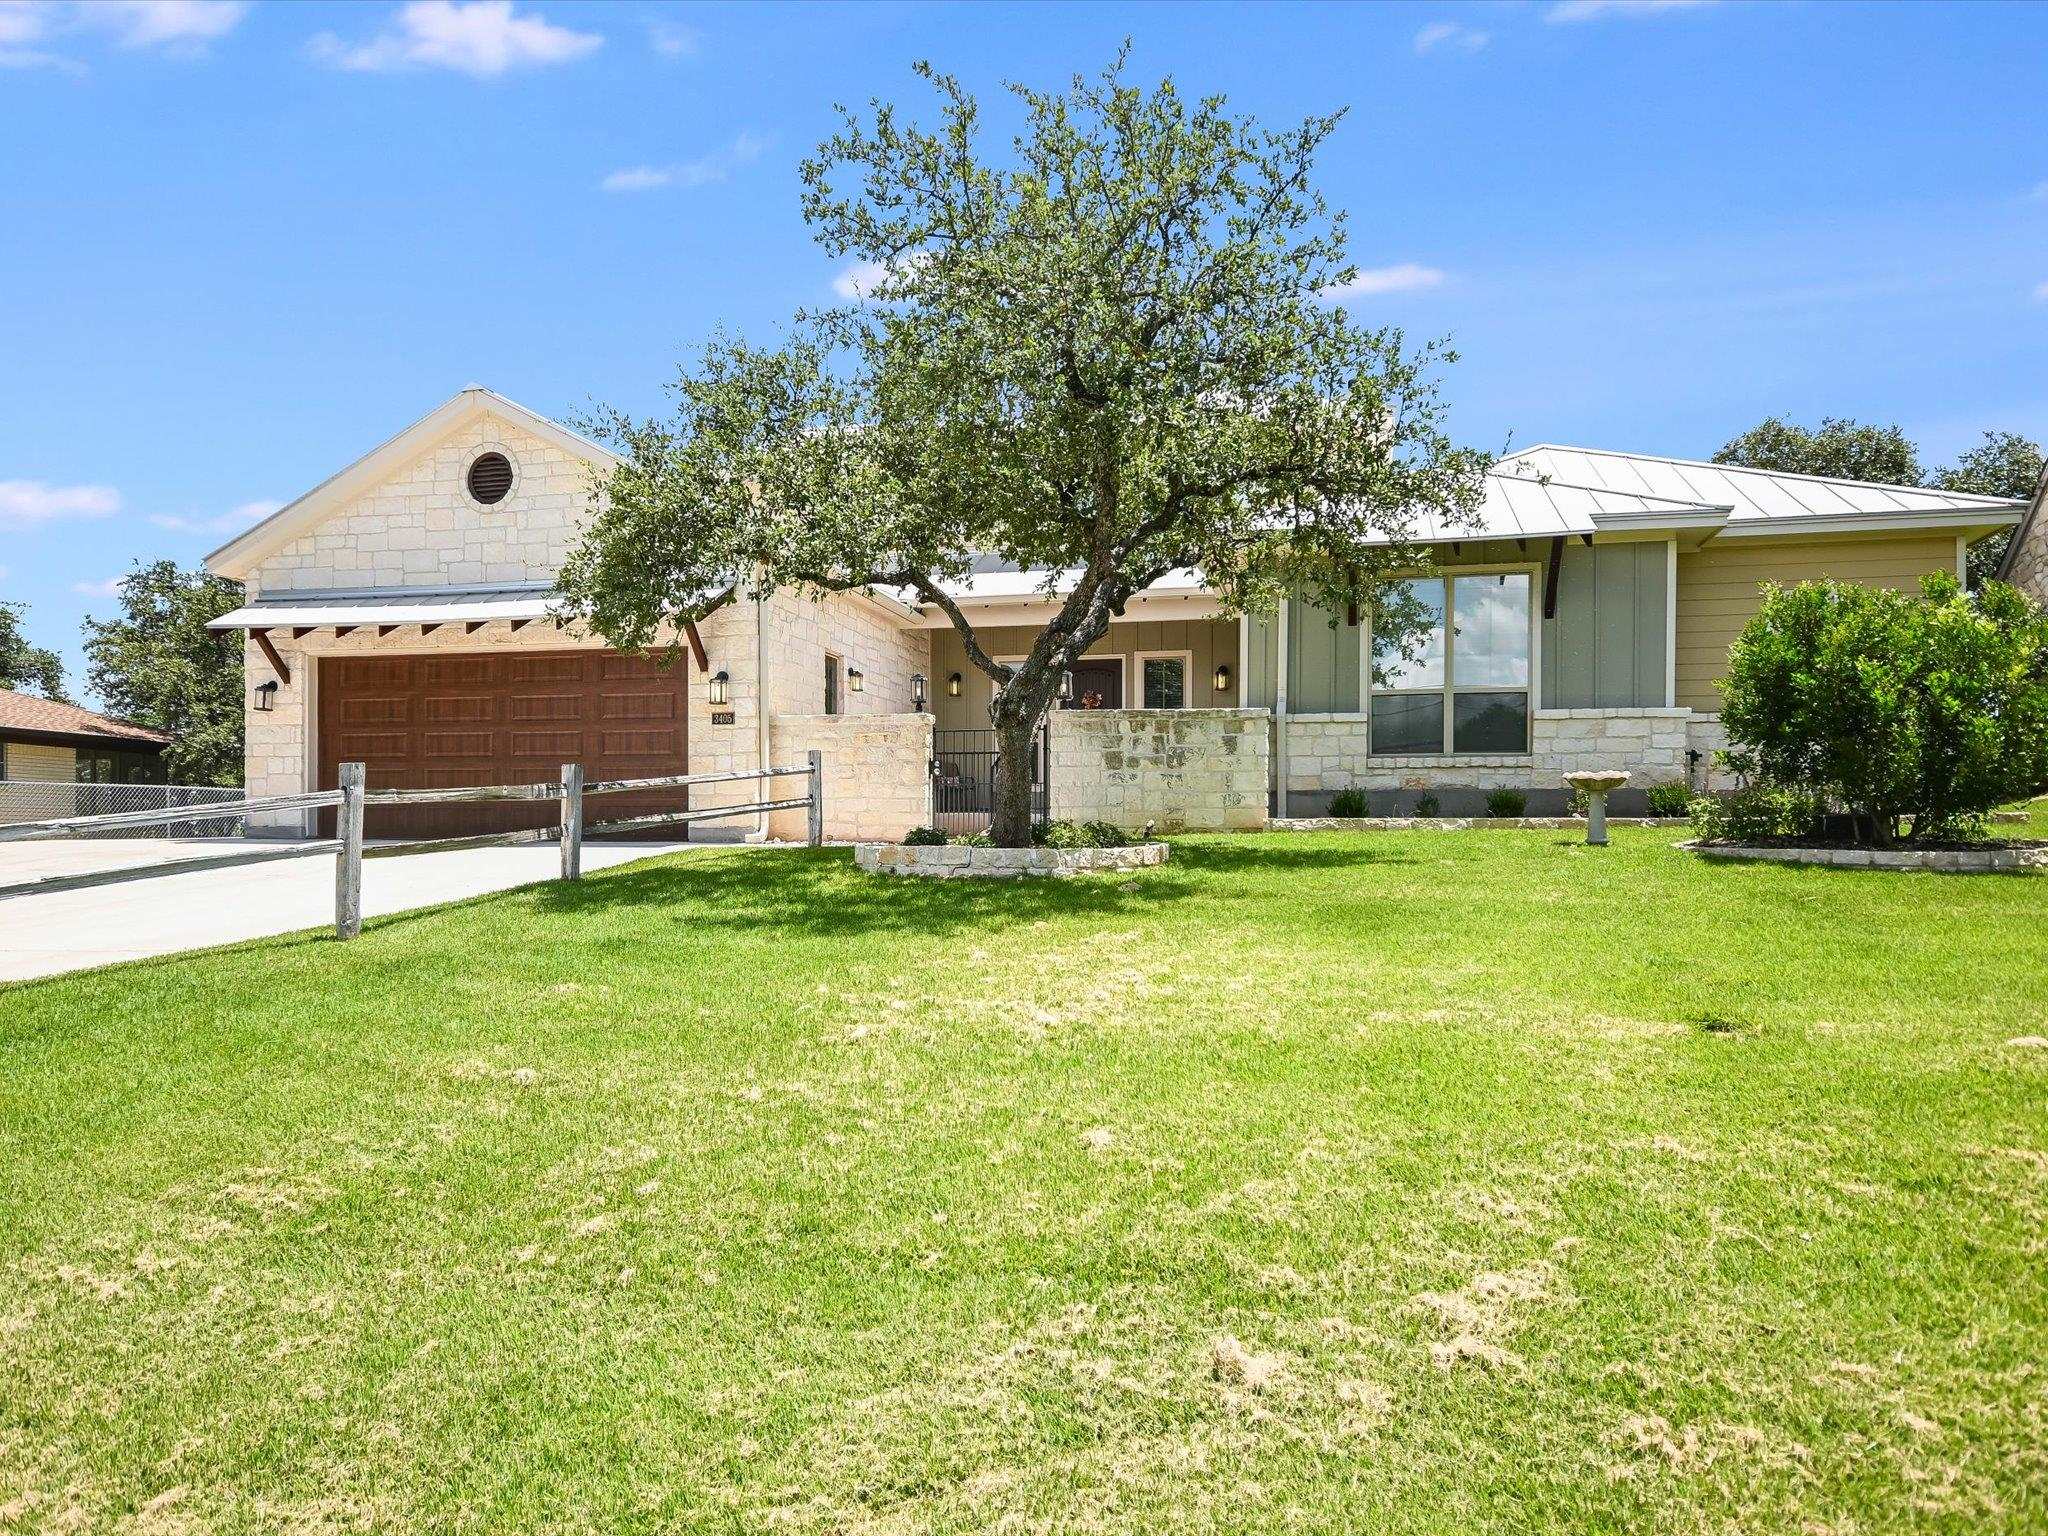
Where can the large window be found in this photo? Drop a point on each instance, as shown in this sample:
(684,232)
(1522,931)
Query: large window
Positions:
(1461,686)
(1163,679)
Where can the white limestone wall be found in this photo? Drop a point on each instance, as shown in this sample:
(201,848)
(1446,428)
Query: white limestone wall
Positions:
(418,527)
(2029,570)
(1184,769)
(1705,736)
(876,768)
(1326,753)
(864,635)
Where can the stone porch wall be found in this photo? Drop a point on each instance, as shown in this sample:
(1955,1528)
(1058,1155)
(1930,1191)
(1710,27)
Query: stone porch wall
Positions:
(1187,770)
(877,772)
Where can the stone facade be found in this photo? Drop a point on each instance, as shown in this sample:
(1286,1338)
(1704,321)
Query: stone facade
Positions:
(877,771)
(2027,566)
(955,863)
(1943,861)
(1183,770)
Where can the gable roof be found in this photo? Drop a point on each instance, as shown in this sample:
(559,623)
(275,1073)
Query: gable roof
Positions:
(23,714)
(241,554)
(2026,527)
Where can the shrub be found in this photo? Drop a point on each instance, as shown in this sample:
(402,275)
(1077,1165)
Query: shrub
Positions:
(924,837)
(973,840)
(1576,800)
(1349,803)
(1670,799)
(1931,709)
(1427,805)
(1506,802)
(1103,834)
(1060,834)
(1757,814)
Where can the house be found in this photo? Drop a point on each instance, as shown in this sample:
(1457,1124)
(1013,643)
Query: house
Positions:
(2025,561)
(400,614)
(43,742)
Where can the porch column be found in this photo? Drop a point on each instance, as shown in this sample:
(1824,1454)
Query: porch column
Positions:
(1671,623)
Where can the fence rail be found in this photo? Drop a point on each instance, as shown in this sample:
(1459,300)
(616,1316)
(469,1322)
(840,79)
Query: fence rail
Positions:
(354,796)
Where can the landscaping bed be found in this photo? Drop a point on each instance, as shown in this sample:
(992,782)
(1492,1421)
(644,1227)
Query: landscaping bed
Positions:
(1985,857)
(971,861)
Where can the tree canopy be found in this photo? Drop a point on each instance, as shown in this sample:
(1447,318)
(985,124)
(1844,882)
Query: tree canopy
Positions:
(23,666)
(1110,354)
(160,666)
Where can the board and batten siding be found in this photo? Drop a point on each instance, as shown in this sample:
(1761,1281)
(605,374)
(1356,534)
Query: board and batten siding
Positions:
(1208,642)
(1604,646)
(1717,590)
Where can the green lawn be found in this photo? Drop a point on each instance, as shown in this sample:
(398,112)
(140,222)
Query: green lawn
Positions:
(1541,1187)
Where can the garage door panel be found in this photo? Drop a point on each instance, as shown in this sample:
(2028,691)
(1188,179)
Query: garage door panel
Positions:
(458,709)
(567,668)
(556,746)
(453,671)
(649,744)
(372,710)
(360,672)
(447,744)
(638,706)
(545,706)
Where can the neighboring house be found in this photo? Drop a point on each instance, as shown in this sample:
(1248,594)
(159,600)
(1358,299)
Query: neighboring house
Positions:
(44,742)
(400,614)
(2025,561)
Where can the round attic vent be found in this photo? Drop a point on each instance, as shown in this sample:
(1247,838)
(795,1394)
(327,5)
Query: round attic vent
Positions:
(490,478)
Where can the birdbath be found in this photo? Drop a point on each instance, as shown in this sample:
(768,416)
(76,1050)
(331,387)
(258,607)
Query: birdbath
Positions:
(1596,784)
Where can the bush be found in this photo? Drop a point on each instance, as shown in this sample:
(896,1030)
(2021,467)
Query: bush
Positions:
(1670,799)
(1506,802)
(924,837)
(1932,710)
(1349,803)
(1060,834)
(1103,834)
(1758,814)
(1427,805)
(1576,801)
(973,840)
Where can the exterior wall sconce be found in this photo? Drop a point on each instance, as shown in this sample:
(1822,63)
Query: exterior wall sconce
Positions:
(917,692)
(1066,687)
(856,679)
(1222,678)
(721,688)
(266,696)
(953,686)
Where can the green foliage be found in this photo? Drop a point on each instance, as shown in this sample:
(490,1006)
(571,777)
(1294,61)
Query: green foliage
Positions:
(924,837)
(159,665)
(2004,464)
(1838,447)
(24,667)
(1933,709)
(1350,803)
(1116,350)
(1104,834)
(1427,805)
(1673,799)
(1576,801)
(972,840)
(1757,813)
(1506,803)
(1075,834)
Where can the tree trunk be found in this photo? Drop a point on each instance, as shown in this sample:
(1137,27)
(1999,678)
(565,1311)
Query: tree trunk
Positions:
(1010,818)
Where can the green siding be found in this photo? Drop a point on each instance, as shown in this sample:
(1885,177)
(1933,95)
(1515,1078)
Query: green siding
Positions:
(1322,662)
(1262,643)
(1604,649)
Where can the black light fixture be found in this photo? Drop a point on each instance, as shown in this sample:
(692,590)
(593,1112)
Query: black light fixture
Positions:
(721,687)
(1222,677)
(266,696)
(953,686)
(1067,687)
(917,692)
(856,679)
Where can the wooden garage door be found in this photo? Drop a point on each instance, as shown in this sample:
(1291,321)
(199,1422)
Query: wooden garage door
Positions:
(432,722)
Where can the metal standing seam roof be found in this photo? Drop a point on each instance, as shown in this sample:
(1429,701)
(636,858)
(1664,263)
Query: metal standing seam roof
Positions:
(445,605)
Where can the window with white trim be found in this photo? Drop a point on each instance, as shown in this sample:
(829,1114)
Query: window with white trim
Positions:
(1465,688)
(1163,679)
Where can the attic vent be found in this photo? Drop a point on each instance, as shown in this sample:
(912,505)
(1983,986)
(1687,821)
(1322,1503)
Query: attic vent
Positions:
(490,478)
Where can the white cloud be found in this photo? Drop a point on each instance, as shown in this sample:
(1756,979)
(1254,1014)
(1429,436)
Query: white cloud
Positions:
(180,28)
(672,42)
(860,278)
(484,38)
(234,520)
(2041,294)
(27,503)
(704,170)
(1593,10)
(1408,277)
(1451,36)
(2040,192)
(111,587)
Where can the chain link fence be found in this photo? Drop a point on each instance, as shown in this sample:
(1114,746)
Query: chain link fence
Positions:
(49,799)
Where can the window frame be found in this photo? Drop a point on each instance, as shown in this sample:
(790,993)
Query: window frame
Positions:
(1449,689)
(1135,669)
(835,685)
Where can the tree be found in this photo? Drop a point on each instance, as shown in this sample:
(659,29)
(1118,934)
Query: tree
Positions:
(1932,708)
(1113,355)
(1838,447)
(160,666)
(2004,464)
(26,666)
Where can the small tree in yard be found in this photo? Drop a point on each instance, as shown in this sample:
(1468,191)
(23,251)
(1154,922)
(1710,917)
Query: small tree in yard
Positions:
(159,665)
(1933,709)
(1112,356)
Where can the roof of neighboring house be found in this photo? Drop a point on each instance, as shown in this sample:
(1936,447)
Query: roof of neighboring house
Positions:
(23,716)
(2026,526)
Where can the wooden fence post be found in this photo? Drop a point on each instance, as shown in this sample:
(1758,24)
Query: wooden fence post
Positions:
(572,821)
(817,806)
(348,858)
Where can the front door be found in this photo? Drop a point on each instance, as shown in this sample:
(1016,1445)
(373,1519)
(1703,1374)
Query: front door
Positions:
(1098,683)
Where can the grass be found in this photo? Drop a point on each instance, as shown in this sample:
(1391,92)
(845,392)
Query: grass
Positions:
(1401,1182)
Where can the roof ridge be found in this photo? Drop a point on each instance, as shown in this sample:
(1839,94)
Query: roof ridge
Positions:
(1751,469)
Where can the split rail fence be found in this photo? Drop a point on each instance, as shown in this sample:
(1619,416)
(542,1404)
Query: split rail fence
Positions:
(350,800)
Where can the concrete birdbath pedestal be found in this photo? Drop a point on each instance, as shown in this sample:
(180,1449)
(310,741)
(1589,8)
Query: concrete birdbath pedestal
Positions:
(1596,785)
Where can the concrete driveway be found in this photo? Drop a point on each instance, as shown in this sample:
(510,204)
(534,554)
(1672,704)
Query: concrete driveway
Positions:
(45,933)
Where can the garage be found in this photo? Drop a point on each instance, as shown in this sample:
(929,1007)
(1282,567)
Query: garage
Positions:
(443,720)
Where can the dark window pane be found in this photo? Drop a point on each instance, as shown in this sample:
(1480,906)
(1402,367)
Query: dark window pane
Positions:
(1490,722)
(1165,683)
(1407,723)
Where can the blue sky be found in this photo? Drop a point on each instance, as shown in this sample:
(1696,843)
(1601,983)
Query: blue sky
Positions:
(240,245)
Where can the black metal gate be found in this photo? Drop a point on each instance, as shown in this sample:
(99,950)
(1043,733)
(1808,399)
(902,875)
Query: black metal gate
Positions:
(963,779)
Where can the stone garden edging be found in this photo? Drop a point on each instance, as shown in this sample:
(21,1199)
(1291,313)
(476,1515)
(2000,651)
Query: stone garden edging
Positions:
(1456,823)
(1948,861)
(955,862)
